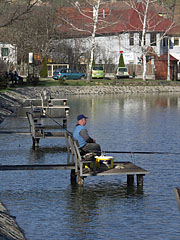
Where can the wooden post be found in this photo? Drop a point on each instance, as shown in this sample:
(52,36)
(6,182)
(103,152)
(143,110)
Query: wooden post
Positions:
(140,179)
(130,179)
(73,176)
(80,180)
(35,142)
(64,123)
(177,196)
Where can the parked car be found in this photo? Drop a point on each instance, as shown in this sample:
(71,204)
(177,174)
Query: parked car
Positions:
(122,72)
(98,72)
(66,73)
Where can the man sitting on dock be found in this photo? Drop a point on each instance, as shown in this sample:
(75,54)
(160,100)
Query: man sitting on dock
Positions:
(86,143)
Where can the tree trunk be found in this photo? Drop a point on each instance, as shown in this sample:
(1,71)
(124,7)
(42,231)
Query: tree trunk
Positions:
(95,21)
(168,70)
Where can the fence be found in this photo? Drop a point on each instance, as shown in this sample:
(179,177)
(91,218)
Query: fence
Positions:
(108,68)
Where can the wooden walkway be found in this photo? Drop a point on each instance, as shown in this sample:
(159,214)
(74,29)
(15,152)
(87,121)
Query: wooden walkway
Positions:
(82,167)
(47,105)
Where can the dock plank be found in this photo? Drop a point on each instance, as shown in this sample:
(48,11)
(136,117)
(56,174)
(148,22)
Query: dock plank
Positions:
(37,167)
(120,168)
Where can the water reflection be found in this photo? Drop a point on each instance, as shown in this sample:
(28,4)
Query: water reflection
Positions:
(37,155)
(86,204)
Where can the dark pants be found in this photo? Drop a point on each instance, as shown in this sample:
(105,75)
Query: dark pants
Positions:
(92,147)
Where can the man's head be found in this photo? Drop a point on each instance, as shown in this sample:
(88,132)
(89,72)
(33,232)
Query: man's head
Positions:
(81,119)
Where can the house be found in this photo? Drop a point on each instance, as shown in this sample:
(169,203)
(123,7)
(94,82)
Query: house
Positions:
(118,30)
(8,53)
(161,64)
(174,37)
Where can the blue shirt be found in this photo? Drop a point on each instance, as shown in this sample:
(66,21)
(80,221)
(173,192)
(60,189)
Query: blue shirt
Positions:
(77,136)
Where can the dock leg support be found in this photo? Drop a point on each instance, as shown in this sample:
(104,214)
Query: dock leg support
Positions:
(140,179)
(177,196)
(130,179)
(73,176)
(35,142)
(80,180)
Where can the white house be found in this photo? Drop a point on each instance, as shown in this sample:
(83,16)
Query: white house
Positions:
(123,35)
(8,53)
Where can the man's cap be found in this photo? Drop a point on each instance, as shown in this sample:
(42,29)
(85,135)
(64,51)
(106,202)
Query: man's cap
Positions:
(81,117)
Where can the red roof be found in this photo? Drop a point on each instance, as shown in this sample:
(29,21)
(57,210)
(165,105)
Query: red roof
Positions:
(115,21)
(164,57)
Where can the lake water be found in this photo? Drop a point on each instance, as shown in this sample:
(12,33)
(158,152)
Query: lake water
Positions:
(47,207)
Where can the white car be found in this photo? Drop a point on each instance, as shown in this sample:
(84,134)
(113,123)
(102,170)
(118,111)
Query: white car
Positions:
(122,72)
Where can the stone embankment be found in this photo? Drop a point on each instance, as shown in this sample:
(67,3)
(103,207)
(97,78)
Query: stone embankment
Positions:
(9,229)
(11,100)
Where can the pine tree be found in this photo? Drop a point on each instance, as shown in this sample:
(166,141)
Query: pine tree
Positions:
(121,60)
(44,71)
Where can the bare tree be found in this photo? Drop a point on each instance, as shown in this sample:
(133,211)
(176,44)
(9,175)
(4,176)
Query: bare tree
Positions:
(33,34)
(89,12)
(13,10)
(150,22)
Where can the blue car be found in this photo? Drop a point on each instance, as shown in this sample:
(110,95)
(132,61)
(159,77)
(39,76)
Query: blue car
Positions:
(66,73)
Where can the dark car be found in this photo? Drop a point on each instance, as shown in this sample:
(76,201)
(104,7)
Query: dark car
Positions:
(66,73)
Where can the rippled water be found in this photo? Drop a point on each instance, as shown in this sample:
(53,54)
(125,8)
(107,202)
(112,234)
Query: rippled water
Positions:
(45,204)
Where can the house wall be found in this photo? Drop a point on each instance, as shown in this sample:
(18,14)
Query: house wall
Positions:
(108,48)
(175,49)
(11,57)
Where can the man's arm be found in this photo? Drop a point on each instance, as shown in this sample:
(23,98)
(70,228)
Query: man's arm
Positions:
(84,134)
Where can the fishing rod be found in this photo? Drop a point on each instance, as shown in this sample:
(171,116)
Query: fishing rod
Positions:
(126,152)
(59,124)
(120,152)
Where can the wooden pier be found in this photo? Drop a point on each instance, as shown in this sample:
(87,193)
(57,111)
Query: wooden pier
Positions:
(43,109)
(119,168)
(46,106)
(78,167)
(39,131)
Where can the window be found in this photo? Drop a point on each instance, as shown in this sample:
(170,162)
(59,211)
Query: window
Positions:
(153,39)
(140,39)
(131,39)
(4,52)
(176,41)
(165,42)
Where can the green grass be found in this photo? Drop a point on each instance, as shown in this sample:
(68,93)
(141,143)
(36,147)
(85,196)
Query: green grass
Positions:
(49,82)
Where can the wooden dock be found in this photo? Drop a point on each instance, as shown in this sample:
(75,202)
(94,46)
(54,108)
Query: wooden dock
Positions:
(40,131)
(47,105)
(41,109)
(119,168)
(83,167)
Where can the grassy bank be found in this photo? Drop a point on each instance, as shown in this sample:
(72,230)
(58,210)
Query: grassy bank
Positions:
(49,82)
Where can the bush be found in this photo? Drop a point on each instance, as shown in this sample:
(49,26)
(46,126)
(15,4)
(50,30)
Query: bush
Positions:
(32,80)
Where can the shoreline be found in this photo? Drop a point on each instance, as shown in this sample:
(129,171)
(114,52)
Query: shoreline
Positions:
(10,101)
